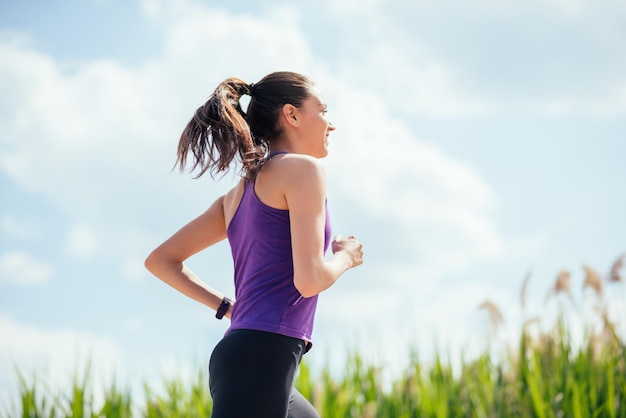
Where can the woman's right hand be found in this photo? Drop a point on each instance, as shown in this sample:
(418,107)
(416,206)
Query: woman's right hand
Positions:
(351,246)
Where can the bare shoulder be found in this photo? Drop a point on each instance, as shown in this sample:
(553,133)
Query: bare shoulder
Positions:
(235,193)
(299,167)
(303,180)
(291,178)
(231,199)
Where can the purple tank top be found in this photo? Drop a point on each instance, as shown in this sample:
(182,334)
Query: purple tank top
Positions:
(266,298)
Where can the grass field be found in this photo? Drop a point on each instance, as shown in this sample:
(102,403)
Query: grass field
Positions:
(546,374)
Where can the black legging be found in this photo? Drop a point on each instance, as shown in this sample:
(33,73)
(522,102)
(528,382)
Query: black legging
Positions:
(251,376)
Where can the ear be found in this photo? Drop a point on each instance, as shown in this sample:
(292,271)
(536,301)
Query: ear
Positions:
(291,115)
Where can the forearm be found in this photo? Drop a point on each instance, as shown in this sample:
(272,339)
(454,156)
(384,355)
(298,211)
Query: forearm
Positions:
(181,278)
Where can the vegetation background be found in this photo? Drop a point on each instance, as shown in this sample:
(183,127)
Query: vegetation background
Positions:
(551,373)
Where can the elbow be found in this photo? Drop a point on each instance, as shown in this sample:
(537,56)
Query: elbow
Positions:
(149,263)
(306,294)
(152,262)
(160,263)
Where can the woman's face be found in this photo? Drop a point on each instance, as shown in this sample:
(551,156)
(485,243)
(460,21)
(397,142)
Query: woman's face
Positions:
(314,125)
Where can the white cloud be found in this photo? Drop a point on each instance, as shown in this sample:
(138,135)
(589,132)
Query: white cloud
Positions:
(152,8)
(525,58)
(80,137)
(81,242)
(611,105)
(416,80)
(351,7)
(248,47)
(19,267)
(441,206)
(561,8)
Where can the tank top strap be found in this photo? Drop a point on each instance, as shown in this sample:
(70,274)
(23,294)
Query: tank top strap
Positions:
(269,157)
(275,153)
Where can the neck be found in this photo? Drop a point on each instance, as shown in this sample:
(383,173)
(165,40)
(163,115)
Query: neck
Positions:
(279,145)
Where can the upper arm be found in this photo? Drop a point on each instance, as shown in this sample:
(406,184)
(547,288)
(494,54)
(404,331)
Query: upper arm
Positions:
(202,232)
(305,193)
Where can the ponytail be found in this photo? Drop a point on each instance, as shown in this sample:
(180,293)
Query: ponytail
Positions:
(219,132)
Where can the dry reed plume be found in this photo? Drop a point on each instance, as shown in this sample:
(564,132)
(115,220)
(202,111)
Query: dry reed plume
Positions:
(592,280)
(495,316)
(561,285)
(615,270)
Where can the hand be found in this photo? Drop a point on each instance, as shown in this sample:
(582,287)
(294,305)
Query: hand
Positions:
(351,246)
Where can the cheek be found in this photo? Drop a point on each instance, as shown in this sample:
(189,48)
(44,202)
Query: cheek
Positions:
(323,123)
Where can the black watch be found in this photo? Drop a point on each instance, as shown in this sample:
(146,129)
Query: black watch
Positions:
(221,311)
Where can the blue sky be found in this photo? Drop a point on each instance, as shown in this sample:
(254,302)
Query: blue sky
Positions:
(476,141)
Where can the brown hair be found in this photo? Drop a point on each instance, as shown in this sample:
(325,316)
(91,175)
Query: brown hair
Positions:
(221,131)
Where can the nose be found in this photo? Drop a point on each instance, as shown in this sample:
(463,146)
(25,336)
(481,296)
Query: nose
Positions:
(331,127)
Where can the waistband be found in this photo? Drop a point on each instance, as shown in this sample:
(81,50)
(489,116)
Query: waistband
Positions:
(306,345)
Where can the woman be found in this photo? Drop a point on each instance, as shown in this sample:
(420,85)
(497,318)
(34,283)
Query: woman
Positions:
(278,228)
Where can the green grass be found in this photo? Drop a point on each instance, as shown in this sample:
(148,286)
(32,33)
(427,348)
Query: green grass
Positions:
(547,379)
(544,377)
